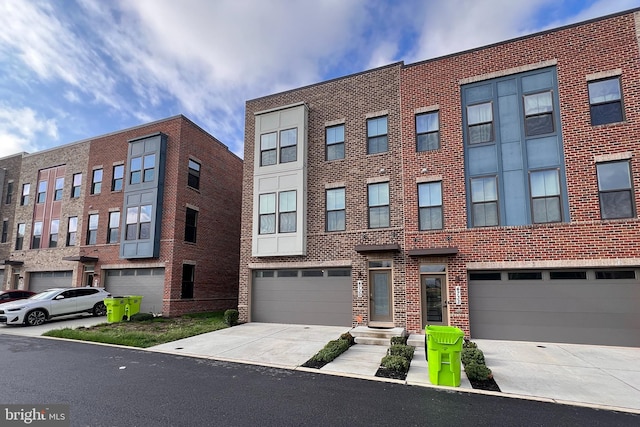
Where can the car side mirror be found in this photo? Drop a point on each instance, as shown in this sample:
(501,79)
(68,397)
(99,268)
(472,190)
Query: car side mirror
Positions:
(59,297)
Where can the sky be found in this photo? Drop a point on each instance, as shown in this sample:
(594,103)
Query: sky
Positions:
(76,69)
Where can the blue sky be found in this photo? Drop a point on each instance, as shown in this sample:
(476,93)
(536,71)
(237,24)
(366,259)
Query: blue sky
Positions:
(75,69)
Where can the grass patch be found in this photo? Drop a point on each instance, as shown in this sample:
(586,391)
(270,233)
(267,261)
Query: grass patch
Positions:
(147,333)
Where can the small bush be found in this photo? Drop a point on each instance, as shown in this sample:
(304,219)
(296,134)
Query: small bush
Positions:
(349,338)
(395,363)
(476,372)
(472,355)
(405,351)
(469,344)
(141,317)
(399,340)
(230,317)
(330,351)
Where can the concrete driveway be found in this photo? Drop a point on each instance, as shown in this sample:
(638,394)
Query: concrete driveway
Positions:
(73,321)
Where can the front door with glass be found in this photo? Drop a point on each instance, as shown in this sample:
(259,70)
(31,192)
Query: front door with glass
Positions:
(434,299)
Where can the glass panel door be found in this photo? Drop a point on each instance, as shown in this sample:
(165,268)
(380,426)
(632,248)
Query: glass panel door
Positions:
(434,304)
(380,309)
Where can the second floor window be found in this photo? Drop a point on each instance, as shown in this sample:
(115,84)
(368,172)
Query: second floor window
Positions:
(72,231)
(484,201)
(5,231)
(427,131)
(615,189)
(336,209)
(430,205)
(24,200)
(113,233)
(538,113)
(53,233)
(287,208)
(118,178)
(42,192)
(37,235)
(193,179)
(20,236)
(57,195)
(96,181)
(335,142)
(378,198)
(545,196)
(138,222)
(267,215)
(92,229)
(9,193)
(191,225)
(377,141)
(605,100)
(77,185)
(480,123)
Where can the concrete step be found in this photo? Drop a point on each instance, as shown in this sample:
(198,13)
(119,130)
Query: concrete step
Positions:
(416,340)
(373,341)
(376,336)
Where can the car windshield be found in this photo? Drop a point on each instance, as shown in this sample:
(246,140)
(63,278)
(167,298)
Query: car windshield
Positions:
(45,295)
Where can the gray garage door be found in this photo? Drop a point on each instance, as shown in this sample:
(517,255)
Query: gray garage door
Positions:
(579,306)
(41,280)
(148,282)
(308,297)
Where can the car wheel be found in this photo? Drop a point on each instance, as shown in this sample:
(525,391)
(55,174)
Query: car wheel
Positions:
(36,317)
(100,309)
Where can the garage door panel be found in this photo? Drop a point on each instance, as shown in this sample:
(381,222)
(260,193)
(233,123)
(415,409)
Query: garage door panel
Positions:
(43,280)
(149,283)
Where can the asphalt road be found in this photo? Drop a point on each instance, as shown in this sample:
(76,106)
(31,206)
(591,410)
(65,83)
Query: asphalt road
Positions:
(110,386)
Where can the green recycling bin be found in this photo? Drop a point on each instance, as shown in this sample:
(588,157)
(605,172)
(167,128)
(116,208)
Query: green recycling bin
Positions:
(131,305)
(444,345)
(115,309)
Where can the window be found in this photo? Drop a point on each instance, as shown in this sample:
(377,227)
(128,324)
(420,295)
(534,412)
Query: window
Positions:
(37,235)
(113,234)
(484,201)
(138,223)
(148,174)
(268,149)
(57,195)
(427,131)
(336,209)
(568,275)
(193,179)
(614,186)
(480,123)
(430,205)
(545,196)
(145,222)
(605,98)
(118,178)
(72,231)
(526,275)
(42,192)
(288,145)
(77,185)
(615,274)
(335,142)
(96,182)
(267,216)
(489,275)
(378,197)
(377,135)
(135,175)
(53,233)
(287,206)
(190,227)
(188,273)
(538,114)
(24,200)
(20,236)
(5,231)
(92,229)
(9,193)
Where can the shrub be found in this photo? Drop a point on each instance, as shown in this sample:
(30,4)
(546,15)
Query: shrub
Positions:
(395,363)
(141,317)
(469,344)
(477,372)
(472,355)
(399,340)
(405,351)
(231,317)
(330,351)
(349,338)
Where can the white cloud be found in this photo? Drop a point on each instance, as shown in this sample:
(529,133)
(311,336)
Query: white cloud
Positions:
(22,129)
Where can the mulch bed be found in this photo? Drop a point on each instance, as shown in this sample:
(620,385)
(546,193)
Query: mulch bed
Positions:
(314,364)
(390,373)
(489,385)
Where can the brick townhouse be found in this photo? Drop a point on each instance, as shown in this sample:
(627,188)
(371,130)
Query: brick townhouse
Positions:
(492,189)
(151,210)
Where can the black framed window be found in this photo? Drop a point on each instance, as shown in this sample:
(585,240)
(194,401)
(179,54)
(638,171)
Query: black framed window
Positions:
(480,123)
(267,215)
(484,201)
(545,196)
(26,189)
(9,197)
(57,194)
(76,186)
(428,131)
(288,145)
(193,180)
(20,236)
(5,231)
(615,190)
(92,229)
(37,235)
(191,225)
(117,180)
(72,231)
(336,209)
(149,172)
(287,211)
(96,181)
(378,200)
(135,171)
(605,100)
(538,113)
(430,205)
(334,137)
(53,233)
(113,233)
(268,149)
(42,192)
(188,279)
(377,138)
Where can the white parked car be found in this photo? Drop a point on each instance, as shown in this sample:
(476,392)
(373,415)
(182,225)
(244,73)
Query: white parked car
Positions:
(53,303)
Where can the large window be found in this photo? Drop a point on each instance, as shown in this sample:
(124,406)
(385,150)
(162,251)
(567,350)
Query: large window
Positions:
(480,123)
(267,216)
(335,142)
(72,231)
(605,99)
(188,278)
(545,196)
(193,180)
(113,234)
(484,201)
(20,236)
(288,145)
(9,193)
(149,163)
(118,178)
(378,199)
(268,149)
(288,151)
(287,208)
(53,233)
(77,185)
(138,222)
(92,229)
(427,131)
(430,205)
(37,235)
(191,225)
(96,181)
(57,195)
(24,200)
(5,231)
(42,192)
(336,209)
(377,141)
(616,191)
(538,113)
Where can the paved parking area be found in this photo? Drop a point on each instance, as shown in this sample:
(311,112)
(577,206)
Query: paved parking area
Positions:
(72,321)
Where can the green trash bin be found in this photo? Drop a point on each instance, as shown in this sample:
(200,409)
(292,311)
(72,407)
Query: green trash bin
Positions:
(444,344)
(115,309)
(132,305)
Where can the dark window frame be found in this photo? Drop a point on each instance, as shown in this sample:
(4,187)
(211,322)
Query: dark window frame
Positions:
(42,192)
(335,212)
(188,281)
(536,118)
(422,147)
(595,108)
(618,190)
(97,176)
(53,233)
(430,207)
(374,208)
(76,187)
(20,233)
(92,230)
(334,150)
(193,177)
(36,240)
(117,179)
(58,188)
(9,198)
(24,198)
(480,124)
(546,197)
(5,231)
(191,225)
(72,232)
(113,230)
(378,140)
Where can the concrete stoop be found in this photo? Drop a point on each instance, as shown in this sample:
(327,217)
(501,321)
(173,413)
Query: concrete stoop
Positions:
(376,336)
(416,340)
